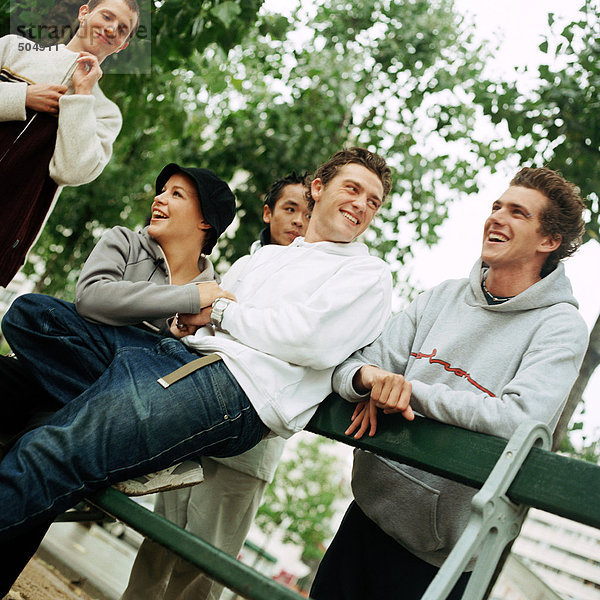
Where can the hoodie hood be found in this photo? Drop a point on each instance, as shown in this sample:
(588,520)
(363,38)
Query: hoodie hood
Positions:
(553,289)
(338,248)
(153,248)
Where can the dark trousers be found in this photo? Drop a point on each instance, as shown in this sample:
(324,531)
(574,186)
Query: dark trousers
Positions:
(16,554)
(365,563)
(24,404)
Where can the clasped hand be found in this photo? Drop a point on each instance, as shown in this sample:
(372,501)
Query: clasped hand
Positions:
(188,323)
(44,97)
(389,392)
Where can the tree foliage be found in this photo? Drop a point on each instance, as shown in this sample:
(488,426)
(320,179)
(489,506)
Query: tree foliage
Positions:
(557,124)
(155,114)
(253,96)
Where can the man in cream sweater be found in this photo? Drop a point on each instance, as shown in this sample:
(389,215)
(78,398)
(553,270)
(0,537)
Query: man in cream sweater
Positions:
(70,139)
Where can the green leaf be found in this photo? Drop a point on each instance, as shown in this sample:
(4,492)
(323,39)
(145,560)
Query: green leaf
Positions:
(226,12)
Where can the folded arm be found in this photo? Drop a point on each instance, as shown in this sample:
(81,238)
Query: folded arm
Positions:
(538,390)
(105,295)
(389,392)
(346,312)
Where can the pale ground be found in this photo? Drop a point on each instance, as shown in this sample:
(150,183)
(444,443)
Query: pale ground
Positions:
(40,581)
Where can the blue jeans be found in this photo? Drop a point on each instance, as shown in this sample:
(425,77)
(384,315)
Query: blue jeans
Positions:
(123,425)
(62,351)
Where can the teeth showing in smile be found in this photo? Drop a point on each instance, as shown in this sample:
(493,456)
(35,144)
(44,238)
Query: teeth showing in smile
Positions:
(497,237)
(157,214)
(350,217)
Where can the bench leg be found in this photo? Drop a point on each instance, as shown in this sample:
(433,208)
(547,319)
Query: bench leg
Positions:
(494,521)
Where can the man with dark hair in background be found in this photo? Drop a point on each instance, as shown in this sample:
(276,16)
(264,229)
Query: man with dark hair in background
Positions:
(285,211)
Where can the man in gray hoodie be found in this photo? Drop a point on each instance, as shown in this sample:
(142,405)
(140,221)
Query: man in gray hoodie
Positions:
(483,353)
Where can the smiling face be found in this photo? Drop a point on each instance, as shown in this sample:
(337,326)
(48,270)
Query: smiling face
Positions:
(176,213)
(290,215)
(345,206)
(105,29)
(512,235)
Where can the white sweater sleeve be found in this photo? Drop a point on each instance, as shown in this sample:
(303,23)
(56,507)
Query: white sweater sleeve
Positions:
(12,101)
(346,312)
(87,128)
(12,93)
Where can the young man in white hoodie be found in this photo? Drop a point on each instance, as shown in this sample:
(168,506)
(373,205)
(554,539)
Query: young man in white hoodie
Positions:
(70,140)
(264,367)
(483,353)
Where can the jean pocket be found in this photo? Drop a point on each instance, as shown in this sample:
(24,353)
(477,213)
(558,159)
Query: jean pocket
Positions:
(172,347)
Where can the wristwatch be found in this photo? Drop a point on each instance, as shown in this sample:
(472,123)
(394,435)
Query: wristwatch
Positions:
(217,310)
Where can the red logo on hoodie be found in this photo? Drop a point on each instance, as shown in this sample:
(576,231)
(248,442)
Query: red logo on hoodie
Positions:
(458,372)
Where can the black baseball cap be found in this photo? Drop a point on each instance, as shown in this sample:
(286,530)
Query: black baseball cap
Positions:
(217,201)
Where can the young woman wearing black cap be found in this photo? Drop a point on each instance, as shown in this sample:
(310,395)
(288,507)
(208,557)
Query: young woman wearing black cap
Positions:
(140,278)
(150,275)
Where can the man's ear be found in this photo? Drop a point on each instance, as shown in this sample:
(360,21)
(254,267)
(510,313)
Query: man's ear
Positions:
(125,44)
(550,243)
(267,214)
(316,189)
(84,11)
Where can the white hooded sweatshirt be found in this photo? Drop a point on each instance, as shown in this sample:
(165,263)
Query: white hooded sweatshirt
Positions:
(301,310)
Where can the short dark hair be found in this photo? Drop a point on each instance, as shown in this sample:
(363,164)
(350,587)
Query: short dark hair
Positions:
(563,215)
(375,163)
(276,189)
(209,241)
(132,5)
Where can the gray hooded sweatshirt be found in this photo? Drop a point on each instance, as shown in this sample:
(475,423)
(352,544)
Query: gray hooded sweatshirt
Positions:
(123,283)
(482,367)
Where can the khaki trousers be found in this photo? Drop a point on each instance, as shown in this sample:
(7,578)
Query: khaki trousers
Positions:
(220,510)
